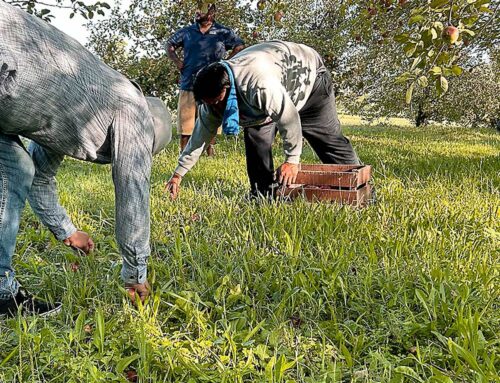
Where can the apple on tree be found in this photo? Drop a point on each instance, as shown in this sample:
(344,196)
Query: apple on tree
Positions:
(450,34)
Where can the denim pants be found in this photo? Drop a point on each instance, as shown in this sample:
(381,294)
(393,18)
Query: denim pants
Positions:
(320,127)
(16,175)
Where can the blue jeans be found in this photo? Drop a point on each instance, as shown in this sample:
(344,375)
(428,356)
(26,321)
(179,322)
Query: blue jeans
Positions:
(16,175)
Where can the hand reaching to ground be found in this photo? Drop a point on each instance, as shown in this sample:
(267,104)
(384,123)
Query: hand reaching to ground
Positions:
(287,174)
(81,241)
(173,185)
(140,290)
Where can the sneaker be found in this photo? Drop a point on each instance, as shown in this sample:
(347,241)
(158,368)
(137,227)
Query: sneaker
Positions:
(29,305)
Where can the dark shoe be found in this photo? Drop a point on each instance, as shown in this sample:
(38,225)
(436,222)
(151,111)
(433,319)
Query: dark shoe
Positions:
(29,306)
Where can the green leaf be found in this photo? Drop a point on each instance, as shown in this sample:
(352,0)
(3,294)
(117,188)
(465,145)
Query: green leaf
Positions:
(409,93)
(440,379)
(402,37)
(269,369)
(436,71)
(125,362)
(404,78)
(416,61)
(441,85)
(409,372)
(423,82)
(457,71)
(485,9)
(347,355)
(444,84)
(416,19)
(410,49)
(465,355)
(438,3)
(254,331)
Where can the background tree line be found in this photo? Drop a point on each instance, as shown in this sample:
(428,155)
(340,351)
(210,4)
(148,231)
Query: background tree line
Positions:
(421,59)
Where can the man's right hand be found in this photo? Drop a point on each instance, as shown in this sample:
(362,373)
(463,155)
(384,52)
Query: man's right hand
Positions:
(141,289)
(173,185)
(180,65)
(81,241)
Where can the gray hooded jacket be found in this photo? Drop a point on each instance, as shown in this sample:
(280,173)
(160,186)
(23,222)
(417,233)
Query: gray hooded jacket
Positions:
(69,103)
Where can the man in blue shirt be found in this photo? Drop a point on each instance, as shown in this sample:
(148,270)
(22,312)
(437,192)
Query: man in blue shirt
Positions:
(203,43)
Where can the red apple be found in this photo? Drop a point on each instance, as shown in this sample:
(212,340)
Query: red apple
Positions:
(255,34)
(372,11)
(131,376)
(278,16)
(450,34)
(402,2)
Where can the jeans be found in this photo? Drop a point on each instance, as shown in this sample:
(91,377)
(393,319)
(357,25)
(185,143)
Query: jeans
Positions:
(320,127)
(16,176)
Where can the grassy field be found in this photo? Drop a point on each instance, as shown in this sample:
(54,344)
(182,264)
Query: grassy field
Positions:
(406,290)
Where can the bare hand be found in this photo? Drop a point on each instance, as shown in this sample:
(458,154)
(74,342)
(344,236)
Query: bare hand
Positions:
(287,173)
(81,241)
(173,185)
(180,65)
(141,289)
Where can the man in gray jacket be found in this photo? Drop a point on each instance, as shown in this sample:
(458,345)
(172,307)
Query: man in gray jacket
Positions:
(273,85)
(68,103)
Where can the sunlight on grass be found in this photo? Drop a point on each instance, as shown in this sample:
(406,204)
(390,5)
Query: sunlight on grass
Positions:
(403,291)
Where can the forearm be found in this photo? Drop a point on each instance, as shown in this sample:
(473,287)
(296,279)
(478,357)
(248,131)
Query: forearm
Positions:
(291,133)
(202,135)
(132,218)
(43,196)
(284,112)
(172,55)
(237,49)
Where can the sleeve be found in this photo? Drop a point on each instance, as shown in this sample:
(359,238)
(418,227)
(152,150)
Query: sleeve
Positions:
(205,129)
(275,101)
(232,40)
(131,159)
(43,196)
(177,39)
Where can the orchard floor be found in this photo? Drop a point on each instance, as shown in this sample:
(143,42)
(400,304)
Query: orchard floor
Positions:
(406,290)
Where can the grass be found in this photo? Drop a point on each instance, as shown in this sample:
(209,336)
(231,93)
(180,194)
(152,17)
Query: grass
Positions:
(406,290)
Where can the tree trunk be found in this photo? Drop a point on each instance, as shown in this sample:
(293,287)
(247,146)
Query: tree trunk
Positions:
(421,118)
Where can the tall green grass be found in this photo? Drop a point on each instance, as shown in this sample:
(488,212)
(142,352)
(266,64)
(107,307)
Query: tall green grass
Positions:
(406,290)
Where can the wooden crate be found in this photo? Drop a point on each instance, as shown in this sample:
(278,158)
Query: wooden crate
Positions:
(346,184)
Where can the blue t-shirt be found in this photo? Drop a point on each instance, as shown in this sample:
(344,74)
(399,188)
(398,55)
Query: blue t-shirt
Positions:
(202,49)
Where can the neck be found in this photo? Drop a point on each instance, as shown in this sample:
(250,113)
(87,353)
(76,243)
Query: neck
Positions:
(206,24)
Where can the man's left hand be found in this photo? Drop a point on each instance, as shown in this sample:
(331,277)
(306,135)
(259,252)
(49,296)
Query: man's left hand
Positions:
(81,241)
(287,173)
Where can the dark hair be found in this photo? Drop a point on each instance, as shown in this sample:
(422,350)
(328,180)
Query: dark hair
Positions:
(210,81)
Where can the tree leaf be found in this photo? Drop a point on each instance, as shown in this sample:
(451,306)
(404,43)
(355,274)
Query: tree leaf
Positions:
(438,3)
(409,93)
(444,84)
(436,70)
(423,82)
(416,19)
(457,71)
